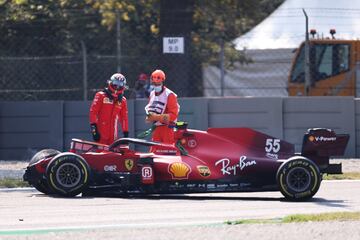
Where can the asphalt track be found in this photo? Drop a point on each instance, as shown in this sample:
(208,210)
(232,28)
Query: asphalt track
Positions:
(27,211)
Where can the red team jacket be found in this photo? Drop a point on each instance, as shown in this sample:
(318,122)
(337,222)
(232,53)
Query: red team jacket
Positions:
(106,114)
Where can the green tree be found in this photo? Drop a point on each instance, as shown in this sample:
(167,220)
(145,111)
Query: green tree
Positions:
(225,20)
(88,19)
(56,27)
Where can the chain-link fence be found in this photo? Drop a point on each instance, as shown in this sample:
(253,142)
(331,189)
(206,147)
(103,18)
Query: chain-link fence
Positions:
(78,76)
(50,75)
(59,53)
(58,60)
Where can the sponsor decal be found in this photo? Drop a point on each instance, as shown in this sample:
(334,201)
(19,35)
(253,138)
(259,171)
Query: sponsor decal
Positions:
(179,170)
(146,172)
(204,171)
(177,185)
(110,168)
(322,139)
(272,155)
(129,164)
(192,143)
(165,151)
(245,184)
(147,175)
(210,186)
(226,169)
(190,185)
(107,100)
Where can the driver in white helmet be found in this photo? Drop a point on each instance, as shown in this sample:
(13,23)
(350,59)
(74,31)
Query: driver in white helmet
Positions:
(108,109)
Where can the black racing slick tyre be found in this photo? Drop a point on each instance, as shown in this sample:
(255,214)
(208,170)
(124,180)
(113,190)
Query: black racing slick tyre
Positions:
(298,179)
(41,184)
(68,174)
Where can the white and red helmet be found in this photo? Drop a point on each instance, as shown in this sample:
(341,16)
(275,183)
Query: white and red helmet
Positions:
(117,82)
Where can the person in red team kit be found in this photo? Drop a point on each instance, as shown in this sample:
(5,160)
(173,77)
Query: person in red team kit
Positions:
(108,108)
(162,109)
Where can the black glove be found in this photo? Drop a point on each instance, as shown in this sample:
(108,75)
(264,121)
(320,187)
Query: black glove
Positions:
(120,97)
(94,132)
(126,134)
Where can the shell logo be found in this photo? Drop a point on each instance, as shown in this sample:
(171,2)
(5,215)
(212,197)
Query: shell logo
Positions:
(179,170)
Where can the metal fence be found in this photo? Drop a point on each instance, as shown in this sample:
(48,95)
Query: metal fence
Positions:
(59,58)
(34,67)
(66,76)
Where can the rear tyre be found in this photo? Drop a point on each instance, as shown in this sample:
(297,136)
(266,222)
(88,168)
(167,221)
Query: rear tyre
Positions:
(68,174)
(298,179)
(41,185)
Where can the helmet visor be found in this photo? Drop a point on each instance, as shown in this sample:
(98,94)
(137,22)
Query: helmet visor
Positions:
(117,84)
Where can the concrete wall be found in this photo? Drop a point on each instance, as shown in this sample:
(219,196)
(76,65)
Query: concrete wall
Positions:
(26,127)
(338,114)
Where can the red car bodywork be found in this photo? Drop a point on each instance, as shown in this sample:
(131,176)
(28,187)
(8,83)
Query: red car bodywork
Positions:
(216,160)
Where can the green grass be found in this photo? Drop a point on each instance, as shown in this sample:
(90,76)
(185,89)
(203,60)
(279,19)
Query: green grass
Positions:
(12,183)
(347,175)
(336,216)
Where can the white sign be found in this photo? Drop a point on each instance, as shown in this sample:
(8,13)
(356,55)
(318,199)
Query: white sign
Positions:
(173,45)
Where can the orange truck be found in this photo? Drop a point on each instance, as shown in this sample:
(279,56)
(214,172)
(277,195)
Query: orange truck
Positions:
(334,69)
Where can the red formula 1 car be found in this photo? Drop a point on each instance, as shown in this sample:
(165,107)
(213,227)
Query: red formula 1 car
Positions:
(216,160)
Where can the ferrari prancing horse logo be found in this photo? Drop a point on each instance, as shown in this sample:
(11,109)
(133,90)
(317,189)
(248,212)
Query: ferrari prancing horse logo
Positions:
(129,164)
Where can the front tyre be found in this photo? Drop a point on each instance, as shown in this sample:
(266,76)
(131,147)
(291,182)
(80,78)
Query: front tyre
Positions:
(298,178)
(45,153)
(41,184)
(68,174)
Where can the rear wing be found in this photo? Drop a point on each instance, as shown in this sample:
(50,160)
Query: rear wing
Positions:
(319,144)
